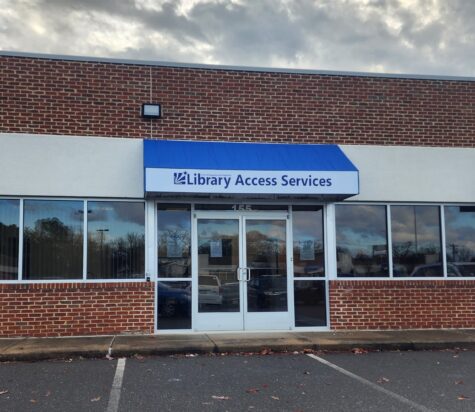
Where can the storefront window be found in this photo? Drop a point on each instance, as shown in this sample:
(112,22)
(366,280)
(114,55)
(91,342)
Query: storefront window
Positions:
(361,240)
(115,240)
(308,250)
(9,232)
(174,241)
(460,240)
(53,239)
(416,241)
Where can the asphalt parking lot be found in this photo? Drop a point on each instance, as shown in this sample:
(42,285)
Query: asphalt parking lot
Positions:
(375,381)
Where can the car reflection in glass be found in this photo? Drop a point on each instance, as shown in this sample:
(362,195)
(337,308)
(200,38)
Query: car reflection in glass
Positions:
(173,301)
(463,269)
(267,292)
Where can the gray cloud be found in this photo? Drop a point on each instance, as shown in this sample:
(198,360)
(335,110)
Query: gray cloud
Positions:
(410,36)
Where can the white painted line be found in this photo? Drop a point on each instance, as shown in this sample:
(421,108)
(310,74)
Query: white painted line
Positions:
(114,398)
(372,385)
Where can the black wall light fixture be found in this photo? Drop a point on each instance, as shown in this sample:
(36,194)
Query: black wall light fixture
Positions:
(151,110)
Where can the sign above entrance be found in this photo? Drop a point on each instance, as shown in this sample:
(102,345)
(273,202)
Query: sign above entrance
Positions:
(245,168)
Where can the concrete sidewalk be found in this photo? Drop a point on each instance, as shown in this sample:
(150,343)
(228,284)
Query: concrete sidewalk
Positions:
(29,349)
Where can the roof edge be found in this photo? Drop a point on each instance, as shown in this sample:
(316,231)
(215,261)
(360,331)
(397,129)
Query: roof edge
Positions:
(202,66)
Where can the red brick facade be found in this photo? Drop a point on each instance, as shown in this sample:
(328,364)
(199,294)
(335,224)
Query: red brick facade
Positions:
(59,309)
(59,97)
(402,304)
(103,99)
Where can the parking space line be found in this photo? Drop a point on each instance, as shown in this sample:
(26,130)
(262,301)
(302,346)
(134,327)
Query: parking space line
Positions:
(114,398)
(372,384)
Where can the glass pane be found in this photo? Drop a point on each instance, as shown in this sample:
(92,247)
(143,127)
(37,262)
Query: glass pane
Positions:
(174,305)
(416,241)
(361,240)
(9,233)
(218,260)
(310,303)
(307,226)
(460,240)
(53,239)
(174,241)
(116,240)
(267,260)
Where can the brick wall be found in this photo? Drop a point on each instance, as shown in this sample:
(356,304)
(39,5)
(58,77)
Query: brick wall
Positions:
(394,304)
(100,99)
(76,309)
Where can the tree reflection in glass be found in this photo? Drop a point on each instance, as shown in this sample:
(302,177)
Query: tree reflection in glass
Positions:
(53,239)
(307,230)
(460,240)
(116,240)
(9,233)
(416,241)
(174,240)
(361,240)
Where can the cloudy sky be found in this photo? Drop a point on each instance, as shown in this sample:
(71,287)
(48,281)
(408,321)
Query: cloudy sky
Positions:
(392,36)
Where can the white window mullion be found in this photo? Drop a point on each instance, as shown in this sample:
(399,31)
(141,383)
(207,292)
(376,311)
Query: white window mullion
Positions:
(84,242)
(390,241)
(151,264)
(20,242)
(330,247)
(442,239)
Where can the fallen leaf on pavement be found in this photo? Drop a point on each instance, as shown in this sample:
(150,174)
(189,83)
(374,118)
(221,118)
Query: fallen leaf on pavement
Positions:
(359,351)
(462,398)
(265,352)
(382,379)
(96,399)
(308,351)
(3,392)
(265,385)
(221,398)
(191,355)
(306,373)
(276,398)
(459,382)
(33,400)
(252,390)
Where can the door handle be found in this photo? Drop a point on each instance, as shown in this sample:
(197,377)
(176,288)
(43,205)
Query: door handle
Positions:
(248,274)
(238,273)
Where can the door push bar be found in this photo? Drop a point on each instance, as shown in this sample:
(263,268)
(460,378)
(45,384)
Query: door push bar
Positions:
(247,276)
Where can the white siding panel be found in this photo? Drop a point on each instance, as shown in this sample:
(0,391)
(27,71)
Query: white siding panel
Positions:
(44,165)
(414,174)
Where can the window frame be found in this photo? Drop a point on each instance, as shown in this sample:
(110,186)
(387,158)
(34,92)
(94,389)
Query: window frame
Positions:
(83,279)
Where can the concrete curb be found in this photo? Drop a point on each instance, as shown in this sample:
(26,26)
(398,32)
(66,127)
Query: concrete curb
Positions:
(36,349)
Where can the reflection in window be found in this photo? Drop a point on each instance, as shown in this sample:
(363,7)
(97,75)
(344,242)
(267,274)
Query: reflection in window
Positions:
(174,241)
(310,303)
(361,240)
(267,262)
(218,260)
(460,240)
(116,240)
(416,241)
(9,232)
(307,226)
(173,305)
(53,239)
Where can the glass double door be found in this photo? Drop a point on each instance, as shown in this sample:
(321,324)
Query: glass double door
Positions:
(240,271)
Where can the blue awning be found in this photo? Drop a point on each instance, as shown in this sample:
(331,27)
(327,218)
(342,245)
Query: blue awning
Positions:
(248,168)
